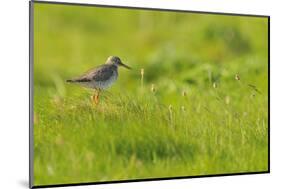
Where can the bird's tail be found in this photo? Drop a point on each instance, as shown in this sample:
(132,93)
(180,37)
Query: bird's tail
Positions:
(70,80)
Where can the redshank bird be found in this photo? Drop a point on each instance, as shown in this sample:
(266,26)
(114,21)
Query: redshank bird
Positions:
(101,77)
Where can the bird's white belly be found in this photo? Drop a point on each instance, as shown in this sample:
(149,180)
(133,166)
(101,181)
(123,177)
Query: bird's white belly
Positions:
(103,84)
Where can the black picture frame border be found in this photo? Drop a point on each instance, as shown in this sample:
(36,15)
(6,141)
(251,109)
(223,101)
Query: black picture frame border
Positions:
(31,62)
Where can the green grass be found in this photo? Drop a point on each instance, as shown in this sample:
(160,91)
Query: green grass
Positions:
(135,133)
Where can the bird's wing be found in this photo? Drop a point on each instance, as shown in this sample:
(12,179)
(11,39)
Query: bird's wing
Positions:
(100,73)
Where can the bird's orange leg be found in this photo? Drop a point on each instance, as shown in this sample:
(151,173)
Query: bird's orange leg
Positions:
(95,97)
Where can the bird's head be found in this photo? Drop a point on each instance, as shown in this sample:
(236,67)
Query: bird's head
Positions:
(116,61)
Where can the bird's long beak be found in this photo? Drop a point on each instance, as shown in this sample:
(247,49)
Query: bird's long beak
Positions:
(124,65)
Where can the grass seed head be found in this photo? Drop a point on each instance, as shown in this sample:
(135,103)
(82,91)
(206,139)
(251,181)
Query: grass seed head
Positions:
(170,108)
(215,85)
(237,77)
(142,72)
(153,89)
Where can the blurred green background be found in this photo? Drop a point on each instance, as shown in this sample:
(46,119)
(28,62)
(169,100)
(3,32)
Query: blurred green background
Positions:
(198,119)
